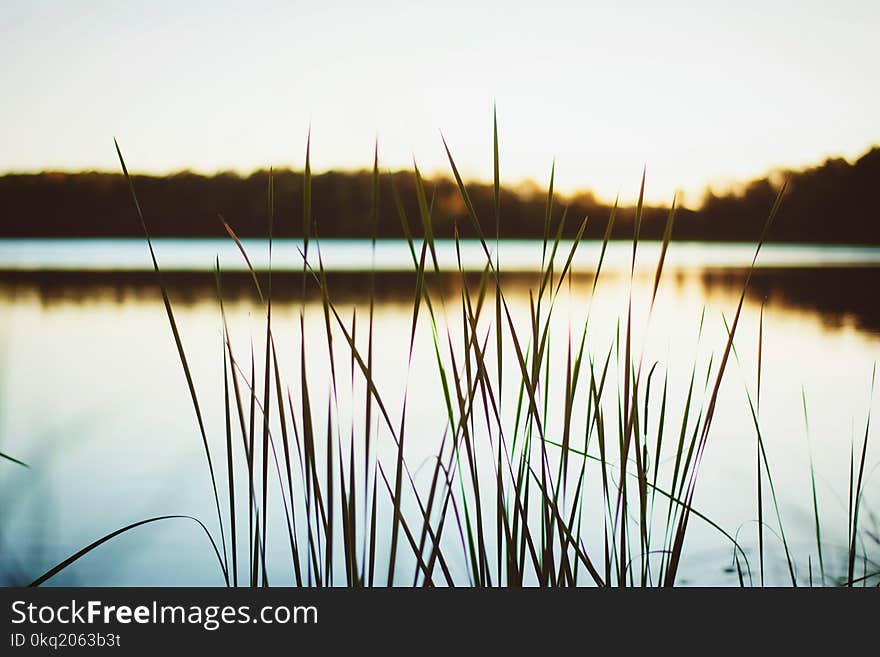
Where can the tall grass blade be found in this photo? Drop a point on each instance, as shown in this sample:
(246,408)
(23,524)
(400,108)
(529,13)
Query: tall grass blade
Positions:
(179,343)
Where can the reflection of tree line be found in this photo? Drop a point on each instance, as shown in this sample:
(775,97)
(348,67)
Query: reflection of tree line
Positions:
(836,294)
(834,202)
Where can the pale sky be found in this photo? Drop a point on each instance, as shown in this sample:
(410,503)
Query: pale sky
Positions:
(700,92)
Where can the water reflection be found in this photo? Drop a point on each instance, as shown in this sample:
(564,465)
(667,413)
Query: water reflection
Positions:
(837,295)
(96,346)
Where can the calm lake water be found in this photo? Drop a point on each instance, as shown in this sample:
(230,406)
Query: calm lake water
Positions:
(93,397)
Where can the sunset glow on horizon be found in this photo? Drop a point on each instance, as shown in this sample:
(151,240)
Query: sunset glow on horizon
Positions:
(700,93)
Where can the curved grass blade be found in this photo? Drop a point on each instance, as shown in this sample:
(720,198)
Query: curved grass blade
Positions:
(76,556)
(244,254)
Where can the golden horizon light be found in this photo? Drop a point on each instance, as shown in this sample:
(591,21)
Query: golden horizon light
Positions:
(700,93)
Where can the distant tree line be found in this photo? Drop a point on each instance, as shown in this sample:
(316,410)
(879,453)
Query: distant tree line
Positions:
(834,202)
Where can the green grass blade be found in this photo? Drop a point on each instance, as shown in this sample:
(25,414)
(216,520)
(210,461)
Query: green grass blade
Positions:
(179,343)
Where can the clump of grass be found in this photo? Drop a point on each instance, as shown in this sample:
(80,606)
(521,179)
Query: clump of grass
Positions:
(511,498)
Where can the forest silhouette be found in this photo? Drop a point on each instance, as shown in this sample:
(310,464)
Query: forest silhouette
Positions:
(830,203)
